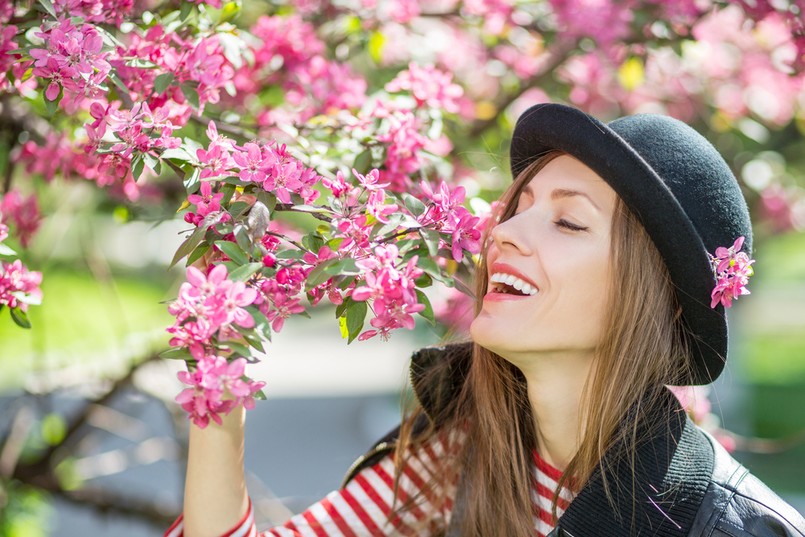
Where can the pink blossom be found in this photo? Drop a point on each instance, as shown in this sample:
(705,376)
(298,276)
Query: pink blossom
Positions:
(213,377)
(7,44)
(73,60)
(252,163)
(19,287)
(216,161)
(391,290)
(376,206)
(429,86)
(209,305)
(466,236)
(103,11)
(24,213)
(605,21)
(280,307)
(403,142)
(732,269)
(285,176)
(205,201)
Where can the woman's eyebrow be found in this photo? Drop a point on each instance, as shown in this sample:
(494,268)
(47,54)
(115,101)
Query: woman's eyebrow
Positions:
(561,193)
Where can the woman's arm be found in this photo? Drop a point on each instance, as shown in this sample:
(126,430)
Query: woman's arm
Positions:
(215,497)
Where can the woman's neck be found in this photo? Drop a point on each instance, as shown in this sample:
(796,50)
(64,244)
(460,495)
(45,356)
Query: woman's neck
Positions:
(555,384)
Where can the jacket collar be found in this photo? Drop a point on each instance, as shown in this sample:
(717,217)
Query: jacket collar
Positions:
(672,467)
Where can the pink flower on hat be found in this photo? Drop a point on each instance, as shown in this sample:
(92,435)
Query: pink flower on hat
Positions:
(732,269)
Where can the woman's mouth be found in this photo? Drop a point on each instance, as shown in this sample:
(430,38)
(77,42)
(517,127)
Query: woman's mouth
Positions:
(511,285)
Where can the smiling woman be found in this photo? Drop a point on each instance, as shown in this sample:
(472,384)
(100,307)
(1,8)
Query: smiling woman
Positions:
(601,282)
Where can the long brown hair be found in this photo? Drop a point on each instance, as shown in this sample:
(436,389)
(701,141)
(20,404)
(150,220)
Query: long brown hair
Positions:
(643,347)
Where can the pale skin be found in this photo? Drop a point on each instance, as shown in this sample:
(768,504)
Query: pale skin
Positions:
(559,240)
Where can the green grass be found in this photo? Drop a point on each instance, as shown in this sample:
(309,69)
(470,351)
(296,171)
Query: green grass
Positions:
(83,322)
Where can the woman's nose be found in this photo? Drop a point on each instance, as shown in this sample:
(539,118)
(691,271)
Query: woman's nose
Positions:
(511,233)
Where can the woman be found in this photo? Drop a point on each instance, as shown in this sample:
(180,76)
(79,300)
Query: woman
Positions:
(597,288)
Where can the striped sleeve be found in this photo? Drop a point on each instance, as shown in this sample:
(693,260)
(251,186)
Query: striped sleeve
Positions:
(362,508)
(244,528)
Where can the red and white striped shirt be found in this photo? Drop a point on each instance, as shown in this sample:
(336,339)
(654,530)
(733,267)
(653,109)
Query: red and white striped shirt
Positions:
(362,507)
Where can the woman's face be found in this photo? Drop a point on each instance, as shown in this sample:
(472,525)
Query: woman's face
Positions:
(556,250)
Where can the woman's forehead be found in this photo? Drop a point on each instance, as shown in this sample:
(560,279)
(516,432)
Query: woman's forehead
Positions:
(568,173)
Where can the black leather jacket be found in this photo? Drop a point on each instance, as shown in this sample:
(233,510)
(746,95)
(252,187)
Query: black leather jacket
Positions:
(685,483)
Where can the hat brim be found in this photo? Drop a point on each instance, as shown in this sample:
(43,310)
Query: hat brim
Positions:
(548,127)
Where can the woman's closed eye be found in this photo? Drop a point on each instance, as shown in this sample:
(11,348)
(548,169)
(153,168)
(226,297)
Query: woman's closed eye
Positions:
(562,223)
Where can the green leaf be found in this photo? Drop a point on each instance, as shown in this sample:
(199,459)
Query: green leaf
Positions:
(150,161)
(176,153)
(243,273)
(190,93)
(162,82)
(253,340)
(52,106)
(238,208)
(6,251)
(48,5)
(415,206)
(290,254)
(342,307)
(233,252)
(242,238)
(185,10)
(431,268)
(176,354)
(431,238)
(356,314)
(20,317)
(427,313)
(268,199)
(196,237)
(345,266)
(319,274)
(237,348)
(198,252)
(363,162)
(313,242)
(137,166)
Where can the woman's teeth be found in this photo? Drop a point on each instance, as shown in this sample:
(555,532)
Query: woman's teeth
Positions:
(515,282)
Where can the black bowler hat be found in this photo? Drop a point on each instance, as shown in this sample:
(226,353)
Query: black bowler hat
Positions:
(677,184)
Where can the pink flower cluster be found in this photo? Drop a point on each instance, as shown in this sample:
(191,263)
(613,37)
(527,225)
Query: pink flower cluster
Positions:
(101,11)
(268,165)
(429,86)
(23,213)
(213,379)
(391,290)
(7,59)
(196,65)
(732,269)
(606,22)
(73,60)
(19,287)
(448,215)
(291,56)
(207,310)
